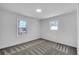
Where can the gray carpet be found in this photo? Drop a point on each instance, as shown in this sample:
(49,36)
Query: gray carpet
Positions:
(39,47)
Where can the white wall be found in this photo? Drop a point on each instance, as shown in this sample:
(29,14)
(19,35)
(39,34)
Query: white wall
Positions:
(36,28)
(78,29)
(67,29)
(8,29)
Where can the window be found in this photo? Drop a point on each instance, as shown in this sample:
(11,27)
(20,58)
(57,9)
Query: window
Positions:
(22,24)
(21,27)
(54,25)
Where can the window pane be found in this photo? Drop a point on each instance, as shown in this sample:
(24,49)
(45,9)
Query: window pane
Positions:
(22,24)
(54,25)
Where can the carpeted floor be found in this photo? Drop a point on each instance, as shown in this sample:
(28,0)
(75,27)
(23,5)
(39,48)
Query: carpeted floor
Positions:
(39,47)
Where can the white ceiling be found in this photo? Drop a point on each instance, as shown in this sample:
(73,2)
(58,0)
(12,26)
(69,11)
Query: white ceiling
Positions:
(48,9)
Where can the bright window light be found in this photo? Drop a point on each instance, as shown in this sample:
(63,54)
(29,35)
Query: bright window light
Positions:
(22,24)
(54,28)
(54,25)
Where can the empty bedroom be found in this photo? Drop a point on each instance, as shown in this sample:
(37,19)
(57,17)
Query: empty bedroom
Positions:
(38,28)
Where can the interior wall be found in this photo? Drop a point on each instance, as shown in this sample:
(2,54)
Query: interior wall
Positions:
(37,29)
(8,29)
(78,29)
(66,33)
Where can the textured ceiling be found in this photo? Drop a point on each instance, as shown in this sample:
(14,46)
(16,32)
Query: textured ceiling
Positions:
(48,9)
